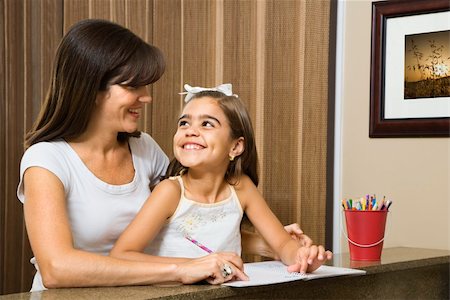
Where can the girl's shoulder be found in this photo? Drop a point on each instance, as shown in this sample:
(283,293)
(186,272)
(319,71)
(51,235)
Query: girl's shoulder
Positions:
(246,191)
(167,193)
(244,183)
(249,196)
(168,186)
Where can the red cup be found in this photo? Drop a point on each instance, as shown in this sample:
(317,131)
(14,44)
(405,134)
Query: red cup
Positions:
(365,233)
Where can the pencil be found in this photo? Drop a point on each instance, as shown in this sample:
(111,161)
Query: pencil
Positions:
(197,243)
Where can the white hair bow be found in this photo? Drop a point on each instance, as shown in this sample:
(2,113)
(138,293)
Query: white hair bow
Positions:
(225,88)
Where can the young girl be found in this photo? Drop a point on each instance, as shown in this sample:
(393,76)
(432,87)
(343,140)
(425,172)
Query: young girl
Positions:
(212,183)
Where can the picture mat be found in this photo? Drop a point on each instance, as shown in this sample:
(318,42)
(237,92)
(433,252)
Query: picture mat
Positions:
(395,105)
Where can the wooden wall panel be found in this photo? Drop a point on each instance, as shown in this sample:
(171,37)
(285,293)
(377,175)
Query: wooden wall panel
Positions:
(117,12)
(198,41)
(14,93)
(32,90)
(314,118)
(140,21)
(281,119)
(43,33)
(274,52)
(166,105)
(139,18)
(3,148)
(239,45)
(240,33)
(52,31)
(13,139)
(100,9)
(33,87)
(74,10)
(31,30)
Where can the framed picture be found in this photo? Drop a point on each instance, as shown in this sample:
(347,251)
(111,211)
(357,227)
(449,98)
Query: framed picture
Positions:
(410,69)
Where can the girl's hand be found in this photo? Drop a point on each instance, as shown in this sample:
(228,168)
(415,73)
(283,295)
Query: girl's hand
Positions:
(210,268)
(310,258)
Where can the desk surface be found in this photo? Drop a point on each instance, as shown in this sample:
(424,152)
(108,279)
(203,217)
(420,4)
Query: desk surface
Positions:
(393,259)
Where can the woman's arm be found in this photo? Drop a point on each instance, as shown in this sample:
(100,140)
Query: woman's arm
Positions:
(254,244)
(291,252)
(61,265)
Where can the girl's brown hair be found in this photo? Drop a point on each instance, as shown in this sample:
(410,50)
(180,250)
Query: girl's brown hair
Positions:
(93,55)
(241,126)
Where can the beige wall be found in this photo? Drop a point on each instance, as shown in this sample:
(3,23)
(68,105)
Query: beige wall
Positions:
(413,172)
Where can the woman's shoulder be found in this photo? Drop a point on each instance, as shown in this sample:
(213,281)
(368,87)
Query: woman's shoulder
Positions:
(149,155)
(46,149)
(143,139)
(48,144)
(144,144)
(53,156)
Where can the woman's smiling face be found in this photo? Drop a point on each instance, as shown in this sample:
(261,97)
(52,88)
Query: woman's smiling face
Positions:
(120,107)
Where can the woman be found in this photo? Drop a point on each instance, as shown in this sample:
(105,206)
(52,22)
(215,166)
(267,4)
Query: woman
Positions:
(87,169)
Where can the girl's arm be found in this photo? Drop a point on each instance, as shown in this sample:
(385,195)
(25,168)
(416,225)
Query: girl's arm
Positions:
(291,252)
(61,265)
(160,206)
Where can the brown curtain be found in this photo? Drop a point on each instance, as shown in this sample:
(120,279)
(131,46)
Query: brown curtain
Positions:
(275,52)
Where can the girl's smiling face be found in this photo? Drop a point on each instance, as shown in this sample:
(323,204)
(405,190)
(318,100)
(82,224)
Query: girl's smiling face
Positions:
(203,136)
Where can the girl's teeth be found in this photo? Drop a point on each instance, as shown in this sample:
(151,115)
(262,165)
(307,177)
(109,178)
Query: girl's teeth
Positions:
(191,147)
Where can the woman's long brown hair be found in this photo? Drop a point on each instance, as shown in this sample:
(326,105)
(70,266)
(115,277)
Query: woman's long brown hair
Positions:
(93,55)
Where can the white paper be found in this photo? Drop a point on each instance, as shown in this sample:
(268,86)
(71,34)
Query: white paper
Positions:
(270,272)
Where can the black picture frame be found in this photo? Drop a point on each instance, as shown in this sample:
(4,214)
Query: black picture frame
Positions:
(401,127)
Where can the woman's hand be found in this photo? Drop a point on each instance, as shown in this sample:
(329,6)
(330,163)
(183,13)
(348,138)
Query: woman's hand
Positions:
(309,259)
(253,243)
(215,268)
(298,235)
